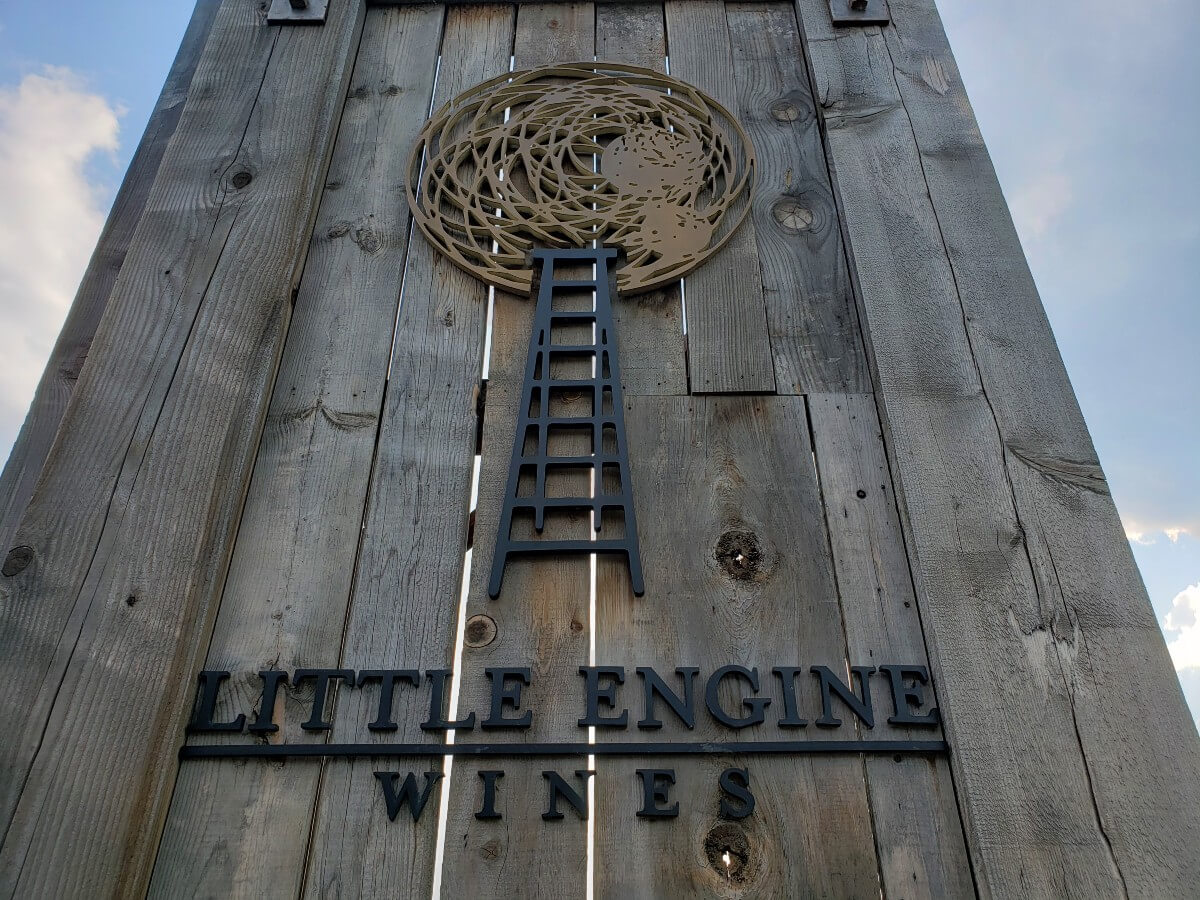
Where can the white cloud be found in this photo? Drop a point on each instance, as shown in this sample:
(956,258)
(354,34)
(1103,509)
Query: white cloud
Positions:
(1182,625)
(1038,203)
(1146,534)
(50,125)
(1137,537)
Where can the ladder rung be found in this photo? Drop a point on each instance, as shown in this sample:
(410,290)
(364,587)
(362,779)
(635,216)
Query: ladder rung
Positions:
(569,460)
(579,383)
(574,314)
(574,283)
(596,253)
(573,421)
(554,503)
(583,546)
(576,348)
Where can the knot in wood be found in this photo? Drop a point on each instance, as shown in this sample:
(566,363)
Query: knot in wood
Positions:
(366,239)
(241,179)
(479,631)
(728,852)
(784,110)
(17,560)
(740,554)
(791,216)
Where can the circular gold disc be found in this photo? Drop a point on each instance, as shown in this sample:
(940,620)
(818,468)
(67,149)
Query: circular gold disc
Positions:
(565,155)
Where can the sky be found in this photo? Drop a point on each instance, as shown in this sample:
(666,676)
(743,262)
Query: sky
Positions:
(1088,108)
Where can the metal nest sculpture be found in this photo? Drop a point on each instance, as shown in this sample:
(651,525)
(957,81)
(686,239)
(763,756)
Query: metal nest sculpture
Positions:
(567,155)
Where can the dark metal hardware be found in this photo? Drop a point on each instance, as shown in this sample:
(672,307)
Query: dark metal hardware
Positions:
(297,12)
(628,748)
(603,385)
(859,12)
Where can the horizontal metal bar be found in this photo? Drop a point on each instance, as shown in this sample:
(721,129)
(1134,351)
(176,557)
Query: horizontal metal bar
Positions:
(578,545)
(574,252)
(487,2)
(747,748)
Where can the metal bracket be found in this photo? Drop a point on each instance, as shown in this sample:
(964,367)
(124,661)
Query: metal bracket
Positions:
(859,12)
(297,12)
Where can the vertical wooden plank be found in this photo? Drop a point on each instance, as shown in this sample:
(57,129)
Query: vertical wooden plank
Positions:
(649,326)
(70,351)
(729,346)
(718,477)
(541,616)
(1067,725)
(811,314)
(133,521)
(918,833)
(170,241)
(238,829)
(409,572)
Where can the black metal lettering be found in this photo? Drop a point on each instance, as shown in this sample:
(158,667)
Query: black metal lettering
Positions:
(656,789)
(560,788)
(265,723)
(755,704)
(407,794)
(903,695)
(437,692)
(787,679)
(387,679)
(322,677)
(654,685)
(505,694)
(736,785)
(489,777)
(831,684)
(608,693)
(202,722)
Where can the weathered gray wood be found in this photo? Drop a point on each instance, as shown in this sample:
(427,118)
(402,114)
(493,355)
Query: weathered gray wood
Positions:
(918,833)
(134,518)
(717,477)
(1068,729)
(70,351)
(541,617)
(649,326)
(285,599)
(409,572)
(729,346)
(811,314)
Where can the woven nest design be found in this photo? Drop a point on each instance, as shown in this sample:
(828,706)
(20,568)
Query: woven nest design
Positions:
(590,151)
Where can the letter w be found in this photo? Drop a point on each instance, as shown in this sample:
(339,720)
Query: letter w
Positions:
(407,794)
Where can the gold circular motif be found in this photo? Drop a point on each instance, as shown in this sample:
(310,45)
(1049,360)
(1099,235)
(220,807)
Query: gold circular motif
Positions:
(565,155)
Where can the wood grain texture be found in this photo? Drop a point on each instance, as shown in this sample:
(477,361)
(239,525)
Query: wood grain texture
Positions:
(134,519)
(1068,728)
(70,351)
(243,830)
(717,475)
(811,316)
(542,613)
(410,567)
(649,326)
(729,344)
(918,833)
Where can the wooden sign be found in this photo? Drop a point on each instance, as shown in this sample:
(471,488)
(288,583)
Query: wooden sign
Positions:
(890,638)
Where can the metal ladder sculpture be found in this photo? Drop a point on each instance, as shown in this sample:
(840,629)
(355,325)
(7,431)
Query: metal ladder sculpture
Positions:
(606,419)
